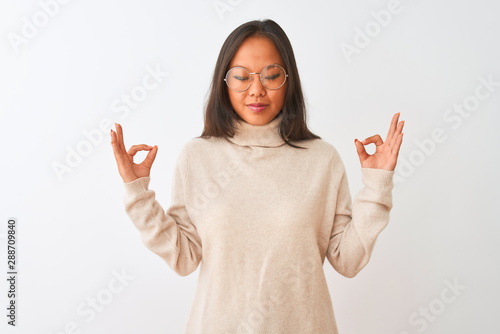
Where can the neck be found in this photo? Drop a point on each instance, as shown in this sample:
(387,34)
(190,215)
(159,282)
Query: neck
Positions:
(266,135)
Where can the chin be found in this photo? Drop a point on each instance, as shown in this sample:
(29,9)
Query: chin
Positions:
(258,118)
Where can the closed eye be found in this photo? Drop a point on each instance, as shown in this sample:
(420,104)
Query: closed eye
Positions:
(272,77)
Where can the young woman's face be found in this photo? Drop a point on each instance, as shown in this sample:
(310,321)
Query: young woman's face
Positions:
(254,54)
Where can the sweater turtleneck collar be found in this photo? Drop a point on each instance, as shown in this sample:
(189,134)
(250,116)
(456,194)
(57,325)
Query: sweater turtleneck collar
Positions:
(266,135)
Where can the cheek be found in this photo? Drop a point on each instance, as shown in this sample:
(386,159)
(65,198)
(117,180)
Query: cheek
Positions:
(234,98)
(279,98)
(280,94)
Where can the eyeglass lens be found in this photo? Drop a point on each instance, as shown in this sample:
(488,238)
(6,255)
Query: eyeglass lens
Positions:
(272,77)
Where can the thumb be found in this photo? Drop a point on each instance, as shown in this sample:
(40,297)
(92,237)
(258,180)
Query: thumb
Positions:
(148,161)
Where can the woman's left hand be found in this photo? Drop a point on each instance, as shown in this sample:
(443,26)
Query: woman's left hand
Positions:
(386,154)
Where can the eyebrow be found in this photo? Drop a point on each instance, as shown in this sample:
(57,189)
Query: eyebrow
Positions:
(236,65)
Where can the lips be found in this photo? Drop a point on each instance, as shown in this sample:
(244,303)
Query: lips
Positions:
(257,107)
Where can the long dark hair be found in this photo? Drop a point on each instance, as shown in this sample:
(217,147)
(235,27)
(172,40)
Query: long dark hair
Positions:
(219,113)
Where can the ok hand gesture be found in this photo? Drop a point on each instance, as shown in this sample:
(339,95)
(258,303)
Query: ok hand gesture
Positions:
(130,171)
(386,154)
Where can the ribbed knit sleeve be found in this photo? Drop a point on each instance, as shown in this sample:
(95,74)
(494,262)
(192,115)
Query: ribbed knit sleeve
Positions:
(357,224)
(170,234)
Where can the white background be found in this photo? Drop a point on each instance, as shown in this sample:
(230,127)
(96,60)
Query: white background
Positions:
(73,232)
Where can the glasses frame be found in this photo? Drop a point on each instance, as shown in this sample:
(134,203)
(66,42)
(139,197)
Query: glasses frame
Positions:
(251,77)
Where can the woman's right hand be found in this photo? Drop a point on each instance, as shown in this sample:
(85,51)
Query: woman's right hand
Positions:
(130,171)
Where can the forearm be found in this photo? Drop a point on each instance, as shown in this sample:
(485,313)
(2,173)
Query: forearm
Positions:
(169,235)
(357,227)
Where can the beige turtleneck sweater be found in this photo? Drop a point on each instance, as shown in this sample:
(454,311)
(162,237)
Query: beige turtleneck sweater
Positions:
(259,217)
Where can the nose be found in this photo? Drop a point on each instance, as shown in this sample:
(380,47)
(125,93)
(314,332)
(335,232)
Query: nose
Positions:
(256,88)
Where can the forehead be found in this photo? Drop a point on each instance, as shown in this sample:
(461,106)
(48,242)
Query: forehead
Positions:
(255,53)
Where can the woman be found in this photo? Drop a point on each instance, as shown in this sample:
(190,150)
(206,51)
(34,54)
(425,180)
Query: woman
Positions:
(259,200)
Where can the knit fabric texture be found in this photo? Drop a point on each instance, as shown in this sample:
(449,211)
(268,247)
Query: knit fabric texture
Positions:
(259,217)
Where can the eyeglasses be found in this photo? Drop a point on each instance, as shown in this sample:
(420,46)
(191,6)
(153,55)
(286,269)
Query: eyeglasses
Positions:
(239,79)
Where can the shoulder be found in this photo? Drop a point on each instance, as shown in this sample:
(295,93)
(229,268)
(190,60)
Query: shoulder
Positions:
(325,153)
(319,147)
(197,146)
(193,149)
